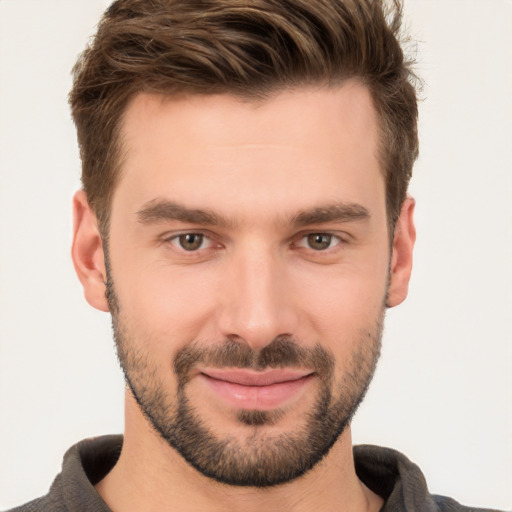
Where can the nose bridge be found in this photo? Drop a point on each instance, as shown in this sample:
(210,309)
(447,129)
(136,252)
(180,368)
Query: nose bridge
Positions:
(258,305)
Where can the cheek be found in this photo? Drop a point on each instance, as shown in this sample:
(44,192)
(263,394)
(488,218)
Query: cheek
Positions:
(169,303)
(344,300)
(345,315)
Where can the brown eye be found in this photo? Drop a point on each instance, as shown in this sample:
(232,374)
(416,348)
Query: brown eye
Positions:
(319,241)
(191,241)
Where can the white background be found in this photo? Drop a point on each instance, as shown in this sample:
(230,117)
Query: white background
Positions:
(443,391)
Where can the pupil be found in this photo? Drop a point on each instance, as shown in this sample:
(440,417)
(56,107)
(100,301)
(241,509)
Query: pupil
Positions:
(191,242)
(319,241)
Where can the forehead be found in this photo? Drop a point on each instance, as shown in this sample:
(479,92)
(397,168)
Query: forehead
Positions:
(297,145)
(284,117)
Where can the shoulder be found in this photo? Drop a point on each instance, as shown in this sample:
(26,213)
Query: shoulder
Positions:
(400,482)
(445,504)
(43,504)
(84,465)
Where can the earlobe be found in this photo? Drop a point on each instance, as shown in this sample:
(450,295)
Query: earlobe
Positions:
(401,259)
(87,252)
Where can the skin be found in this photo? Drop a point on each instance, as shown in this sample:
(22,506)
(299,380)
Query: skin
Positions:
(257,165)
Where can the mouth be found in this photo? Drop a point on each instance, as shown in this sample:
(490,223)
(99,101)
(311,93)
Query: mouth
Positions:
(253,390)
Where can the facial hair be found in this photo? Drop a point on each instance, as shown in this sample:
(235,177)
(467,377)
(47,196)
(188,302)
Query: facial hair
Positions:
(260,459)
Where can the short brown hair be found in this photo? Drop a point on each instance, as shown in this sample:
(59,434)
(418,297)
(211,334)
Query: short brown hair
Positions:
(248,48)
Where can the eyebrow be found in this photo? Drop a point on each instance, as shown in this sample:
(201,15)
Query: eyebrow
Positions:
(337,212)
(165,210)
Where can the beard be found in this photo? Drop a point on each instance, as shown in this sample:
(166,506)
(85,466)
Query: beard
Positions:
(261,458)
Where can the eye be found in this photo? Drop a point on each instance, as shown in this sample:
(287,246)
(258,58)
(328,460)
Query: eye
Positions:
(319,241)
(191,241)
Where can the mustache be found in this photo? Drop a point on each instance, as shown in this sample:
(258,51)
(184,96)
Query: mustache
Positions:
(283,351)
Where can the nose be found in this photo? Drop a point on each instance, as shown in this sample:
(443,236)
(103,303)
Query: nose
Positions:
(258,299)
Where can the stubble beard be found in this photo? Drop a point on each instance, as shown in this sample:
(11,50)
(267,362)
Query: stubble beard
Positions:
(260,459)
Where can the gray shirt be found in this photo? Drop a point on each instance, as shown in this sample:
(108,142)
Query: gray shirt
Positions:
(386,472)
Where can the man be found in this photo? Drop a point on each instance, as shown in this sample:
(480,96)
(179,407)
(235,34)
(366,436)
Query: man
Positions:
(244,219)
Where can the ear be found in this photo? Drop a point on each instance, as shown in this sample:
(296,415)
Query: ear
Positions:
(87,252)
(401,259)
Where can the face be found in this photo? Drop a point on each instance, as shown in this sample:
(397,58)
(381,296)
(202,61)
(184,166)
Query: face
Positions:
(249,265)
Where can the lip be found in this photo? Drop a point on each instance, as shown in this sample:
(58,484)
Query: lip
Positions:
(252,390)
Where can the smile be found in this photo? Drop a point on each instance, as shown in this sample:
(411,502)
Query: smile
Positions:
(251,390)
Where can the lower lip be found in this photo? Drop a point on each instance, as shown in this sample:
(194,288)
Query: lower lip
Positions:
(262,398)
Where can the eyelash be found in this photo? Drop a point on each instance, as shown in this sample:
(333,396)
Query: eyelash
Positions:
(303,241)
(309,237)
(176,241)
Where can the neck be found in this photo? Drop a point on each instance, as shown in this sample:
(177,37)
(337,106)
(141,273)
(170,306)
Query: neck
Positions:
(150,475)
